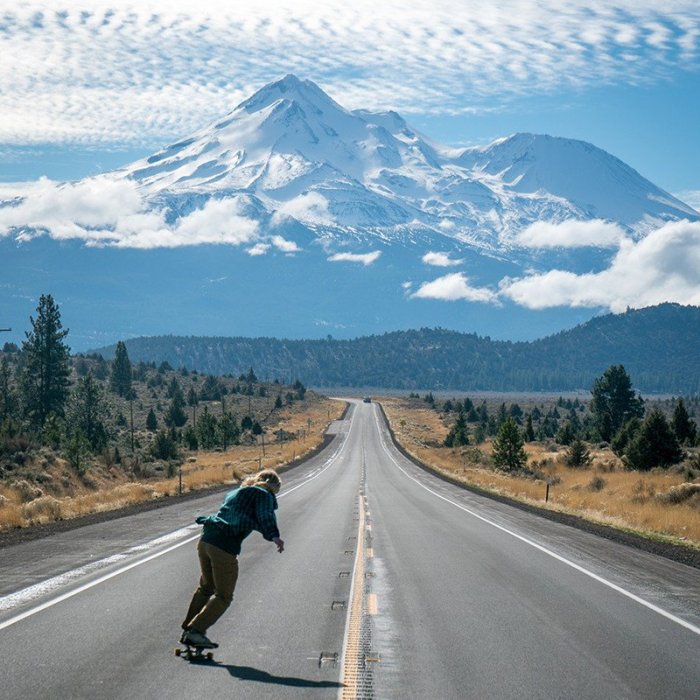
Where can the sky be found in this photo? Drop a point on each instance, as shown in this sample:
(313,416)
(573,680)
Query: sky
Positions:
(88,86)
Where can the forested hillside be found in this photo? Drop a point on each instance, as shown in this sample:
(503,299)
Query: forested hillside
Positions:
(659,346)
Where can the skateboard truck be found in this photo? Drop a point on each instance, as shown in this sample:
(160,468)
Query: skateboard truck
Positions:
(195,653)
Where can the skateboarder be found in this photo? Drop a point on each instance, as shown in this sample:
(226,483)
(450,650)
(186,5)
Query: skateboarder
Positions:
(250,507)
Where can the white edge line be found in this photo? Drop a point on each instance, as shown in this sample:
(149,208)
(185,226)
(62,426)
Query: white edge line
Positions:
(558,557)
(123,569)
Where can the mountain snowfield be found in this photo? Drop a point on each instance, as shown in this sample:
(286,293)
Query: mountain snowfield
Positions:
(291,152)
(292,187)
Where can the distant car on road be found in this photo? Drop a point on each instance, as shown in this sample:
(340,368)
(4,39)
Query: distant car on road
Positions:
(367,399)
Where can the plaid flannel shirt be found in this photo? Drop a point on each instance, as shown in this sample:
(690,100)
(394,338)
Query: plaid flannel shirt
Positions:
(243,510)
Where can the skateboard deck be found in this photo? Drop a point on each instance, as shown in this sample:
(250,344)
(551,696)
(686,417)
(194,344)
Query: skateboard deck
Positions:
(192,652)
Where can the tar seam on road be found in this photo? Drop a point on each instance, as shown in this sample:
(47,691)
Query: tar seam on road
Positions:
(558,557)
(355,674)
(19,597)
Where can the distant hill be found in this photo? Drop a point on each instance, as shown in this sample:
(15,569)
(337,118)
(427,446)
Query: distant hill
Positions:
(659,346)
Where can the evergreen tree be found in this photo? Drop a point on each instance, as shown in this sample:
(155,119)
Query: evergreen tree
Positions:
(578,455)
(529,430)
(654,445)
(193,401)
(624,436)
(164,446)
(175,416)
(189,435)
(46,364)
(120,381)
(502,415)
(685,429)
(508,451)
(614,401)
(8,396)
(87,412)
(174,388)
(78,451)
(459,433)
(151,421)
(207,430)
(228,429)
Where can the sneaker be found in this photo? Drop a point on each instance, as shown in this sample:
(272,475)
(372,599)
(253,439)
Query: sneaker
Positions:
(197,639)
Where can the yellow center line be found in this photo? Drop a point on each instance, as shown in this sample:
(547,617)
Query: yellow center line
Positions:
(352,651)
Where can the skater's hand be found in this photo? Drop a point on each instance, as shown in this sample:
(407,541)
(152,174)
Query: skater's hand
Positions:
(279,543)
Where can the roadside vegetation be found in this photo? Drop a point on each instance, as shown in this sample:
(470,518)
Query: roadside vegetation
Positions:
(611,457)
(80,434)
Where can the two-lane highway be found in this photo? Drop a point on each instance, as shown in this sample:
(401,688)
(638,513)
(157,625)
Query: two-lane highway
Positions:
(444,593)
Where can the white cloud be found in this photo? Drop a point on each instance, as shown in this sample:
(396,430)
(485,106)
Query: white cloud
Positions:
(663,267)
(258,249)
(571,234)
(105,211)
(167,66)
(440,260)
(364,258)
(309,208)
(454,287)
(284,245)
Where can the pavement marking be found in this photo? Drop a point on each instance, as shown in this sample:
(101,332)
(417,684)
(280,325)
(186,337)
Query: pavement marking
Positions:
(372,606)
(45,587)
(350,664)
(558,557)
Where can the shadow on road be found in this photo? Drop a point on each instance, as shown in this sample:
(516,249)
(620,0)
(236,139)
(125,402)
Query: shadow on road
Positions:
(248,673)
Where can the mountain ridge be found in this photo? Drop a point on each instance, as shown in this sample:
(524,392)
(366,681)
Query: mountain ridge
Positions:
(449,360)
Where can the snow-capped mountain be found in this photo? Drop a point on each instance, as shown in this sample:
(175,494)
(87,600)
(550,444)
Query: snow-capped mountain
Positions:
(293,216)
(290,148)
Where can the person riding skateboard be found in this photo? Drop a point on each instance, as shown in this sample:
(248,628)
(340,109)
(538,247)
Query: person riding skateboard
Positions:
(250,507)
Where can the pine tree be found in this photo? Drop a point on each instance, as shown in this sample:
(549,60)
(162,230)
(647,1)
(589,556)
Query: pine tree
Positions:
(175,416)
(193,400)
(87,412)
(459,433)
(508,451)
(685,429)
(8,397)
(529,430)
(207,430)
(151,421)
(578,455)
(614,401)
(46,364)
(228,430)
(120,381)
(654,445)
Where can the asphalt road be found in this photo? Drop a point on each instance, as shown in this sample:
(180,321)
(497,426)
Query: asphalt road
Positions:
(462,597)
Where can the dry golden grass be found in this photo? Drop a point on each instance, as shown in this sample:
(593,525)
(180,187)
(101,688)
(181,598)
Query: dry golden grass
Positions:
(660,502)
(23,504)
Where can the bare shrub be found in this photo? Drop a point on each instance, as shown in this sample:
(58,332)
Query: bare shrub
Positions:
(26,491)
(43,508)
(679,494)
(596,484)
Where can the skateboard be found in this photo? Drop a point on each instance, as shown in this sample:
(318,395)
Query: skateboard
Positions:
(195,653)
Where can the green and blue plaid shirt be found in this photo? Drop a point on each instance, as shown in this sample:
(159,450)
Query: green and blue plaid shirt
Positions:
(243,510)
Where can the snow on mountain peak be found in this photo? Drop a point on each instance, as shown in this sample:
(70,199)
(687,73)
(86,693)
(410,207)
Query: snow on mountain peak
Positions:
(372,174)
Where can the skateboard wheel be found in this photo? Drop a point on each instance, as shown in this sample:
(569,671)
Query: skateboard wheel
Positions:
(178,652)
(210,656)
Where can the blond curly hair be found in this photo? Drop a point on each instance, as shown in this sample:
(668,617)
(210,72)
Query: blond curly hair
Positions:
(266,479)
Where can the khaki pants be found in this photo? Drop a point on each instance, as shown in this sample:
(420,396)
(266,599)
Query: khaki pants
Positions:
(219,576)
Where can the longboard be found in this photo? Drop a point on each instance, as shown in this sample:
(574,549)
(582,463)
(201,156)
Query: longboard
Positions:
(194,653)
